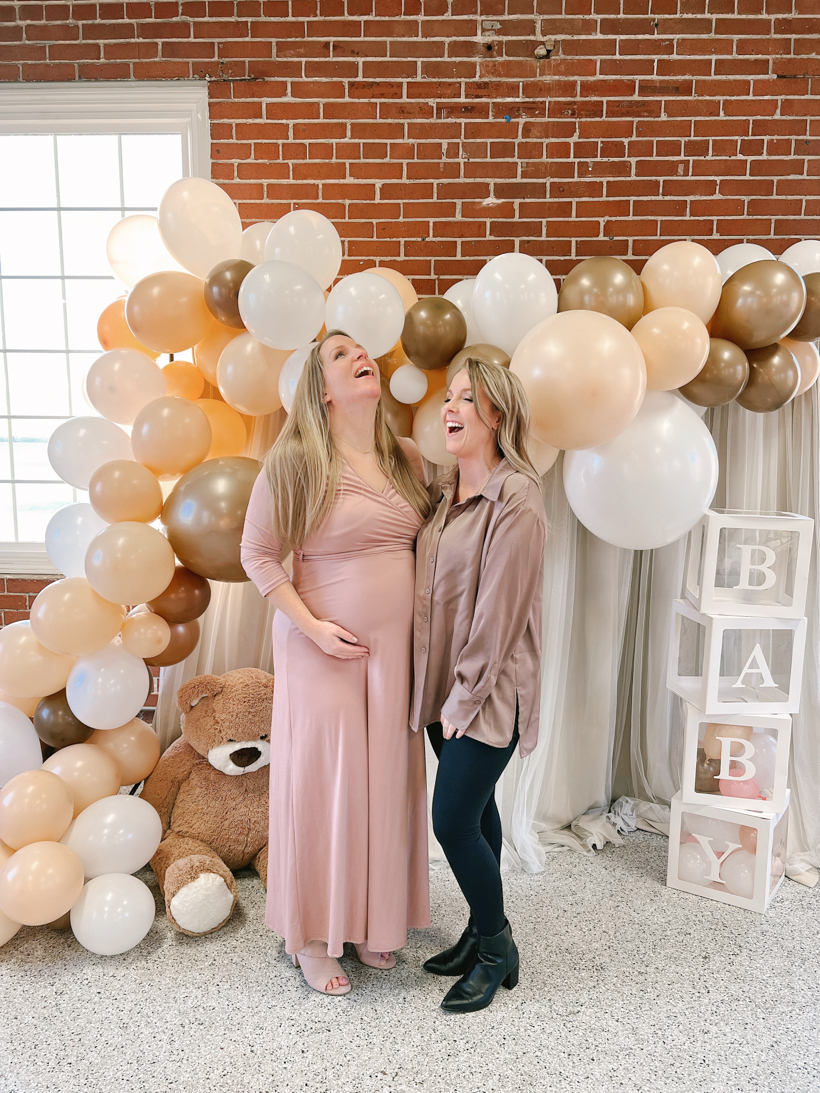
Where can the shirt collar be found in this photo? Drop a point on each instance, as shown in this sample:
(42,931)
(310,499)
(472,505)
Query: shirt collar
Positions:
(492,487)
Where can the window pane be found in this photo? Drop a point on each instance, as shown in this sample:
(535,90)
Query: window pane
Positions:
(29,244)
(79,364)
(84,238)
(85,302)
(36,504)
(150,163)
(89,170)
(33,314)
(38,383)
(6,514)
(29,439)
(27,171)
(5,462)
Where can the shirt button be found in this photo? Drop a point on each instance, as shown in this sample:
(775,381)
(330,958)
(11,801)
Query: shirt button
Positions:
(425,619)
(432,559)
(427,592)
(423,650)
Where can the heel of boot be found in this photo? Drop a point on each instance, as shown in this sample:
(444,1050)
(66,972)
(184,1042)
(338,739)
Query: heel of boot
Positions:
(512,979)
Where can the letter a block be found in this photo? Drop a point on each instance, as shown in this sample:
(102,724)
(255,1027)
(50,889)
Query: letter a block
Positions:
(741,564)
(736,762)
(736,857)
(726,664)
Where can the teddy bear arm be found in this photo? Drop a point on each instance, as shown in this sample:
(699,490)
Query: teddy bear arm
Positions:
(260,864)
(171,772)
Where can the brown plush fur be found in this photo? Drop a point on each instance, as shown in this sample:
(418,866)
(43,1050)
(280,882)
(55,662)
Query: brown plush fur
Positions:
(213,822)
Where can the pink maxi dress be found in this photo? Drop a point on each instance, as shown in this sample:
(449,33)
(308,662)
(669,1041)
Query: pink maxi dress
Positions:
(347,857)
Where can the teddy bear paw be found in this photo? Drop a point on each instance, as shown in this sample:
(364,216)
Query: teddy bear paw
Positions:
(202,905)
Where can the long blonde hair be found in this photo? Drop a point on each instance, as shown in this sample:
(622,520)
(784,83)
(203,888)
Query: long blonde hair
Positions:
(304,466)
(509,399)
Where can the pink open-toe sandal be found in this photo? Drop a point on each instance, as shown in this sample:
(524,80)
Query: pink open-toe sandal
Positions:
(375,960)
(319,971)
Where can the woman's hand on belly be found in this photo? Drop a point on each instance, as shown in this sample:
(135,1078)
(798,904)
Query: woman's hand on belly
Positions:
(335,640)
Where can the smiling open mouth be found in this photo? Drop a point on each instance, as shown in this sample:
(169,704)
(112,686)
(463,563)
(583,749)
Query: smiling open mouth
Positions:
(365,370)
(454,427)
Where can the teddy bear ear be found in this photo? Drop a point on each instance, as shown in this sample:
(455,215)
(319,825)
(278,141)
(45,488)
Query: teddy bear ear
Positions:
(199,687)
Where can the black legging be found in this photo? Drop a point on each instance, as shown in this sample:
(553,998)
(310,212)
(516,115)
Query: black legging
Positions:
(466,820)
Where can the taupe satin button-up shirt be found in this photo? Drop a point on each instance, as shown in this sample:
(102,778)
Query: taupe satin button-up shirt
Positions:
(479,592)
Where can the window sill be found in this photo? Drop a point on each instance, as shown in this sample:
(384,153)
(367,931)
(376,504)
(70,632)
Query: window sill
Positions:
(26,560)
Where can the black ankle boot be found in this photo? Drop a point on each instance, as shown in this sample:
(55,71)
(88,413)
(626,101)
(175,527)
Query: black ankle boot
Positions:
(459,958)
(496,964)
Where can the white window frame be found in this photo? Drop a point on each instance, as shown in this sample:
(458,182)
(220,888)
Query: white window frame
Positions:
(106,107)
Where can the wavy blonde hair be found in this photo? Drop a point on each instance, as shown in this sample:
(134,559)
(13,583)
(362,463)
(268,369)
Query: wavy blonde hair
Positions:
(304,465)
(509,399)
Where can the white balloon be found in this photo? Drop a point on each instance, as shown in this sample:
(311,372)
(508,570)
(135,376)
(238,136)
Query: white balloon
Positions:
(804,257)
(699,410)
(408,384)
(738,873)
(253,242)
(741,254)
(135,249)
(19,744)
(292,369)
(199,224)
(307,239)
(721,832)
(118,834)
(247,375)
(114,912)
(651,483)
(461,294)
(511,295)
(368,309)
(693,864)
(123,381)
(68,535)
(81,445)
(764,759)
(281,305)
(107,689)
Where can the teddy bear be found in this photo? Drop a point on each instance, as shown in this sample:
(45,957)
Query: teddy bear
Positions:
(210,789)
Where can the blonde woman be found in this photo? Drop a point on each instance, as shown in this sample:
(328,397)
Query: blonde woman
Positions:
(348,841)
(479,582)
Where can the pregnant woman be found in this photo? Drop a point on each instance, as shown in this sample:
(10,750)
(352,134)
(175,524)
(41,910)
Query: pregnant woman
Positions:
(348,836)
(479,587)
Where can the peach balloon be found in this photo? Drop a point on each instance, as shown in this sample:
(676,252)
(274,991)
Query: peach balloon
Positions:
(27,668)
(135,746)
(228,430)
(248,375)
(183,379)
(682,274)
(25,705)
(748,838)
(543,455)
(88,774)
(399,282)
(113,331)
(808,358)
(40,883)
(125,490)
(170,436)
(145,634)
(69,617)
(34,807)
(428,430)
(208,350)
(129,563)
(584,375)
(167,311)
(675,345)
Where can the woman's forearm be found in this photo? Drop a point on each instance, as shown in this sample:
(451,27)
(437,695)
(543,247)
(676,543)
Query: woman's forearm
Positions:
(286,599)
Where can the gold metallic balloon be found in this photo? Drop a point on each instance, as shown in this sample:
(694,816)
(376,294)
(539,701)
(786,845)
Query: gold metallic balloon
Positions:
(759,304)
(483,351)
(774,376)
(808,326)
(398,416)
(434,331)
(722,378)
(204,515)
(606,285)
(222,291)
(184,638)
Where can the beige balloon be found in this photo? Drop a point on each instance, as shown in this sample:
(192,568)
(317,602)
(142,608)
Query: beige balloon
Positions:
(807,356)
(675,345)
(69,617)
(167,311)
(543,455)
(208,350)
(248,375)
(428,430)
(27,668)
(170,436)
(135,746)
(713,732)
(40,883)
(399,282)
(145,634)
(34,807)
(129,563)
(125,490)
(88,774)
(682,274)
(27,705)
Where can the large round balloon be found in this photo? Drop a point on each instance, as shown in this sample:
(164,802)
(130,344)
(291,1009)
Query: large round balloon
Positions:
(88,774)
(69,617)
(36,806)
(145,634)
(606,285)
(113,331)
(434,331)
(27,668)
(115,834)
(774,377)
(675,345)
(19,744)
(291,373)
(167,312)
(129,562)
(183,640)
(461,294)
(585,377)
(803,256)
(398,415)
(682,274)
(808,359)
(80,445)
(807,328)
(40,883)
(651,483)
(428,430)
(399,282)
(185,599)
(170,436)
(125,490)
(208,351)
(68,533)
(183,379)
(135,746)
(408,384)
(741,254)
(281,305)
(204,515)
(56,725)
(512,294)
(228,432)
(135,248)
(309,240)
(722,378)
(253,242)
(121,382)
(113,913)
(481,351)
(199,224)
(248,375)
(759,304)
(222,290)
(369,309)
(108,688)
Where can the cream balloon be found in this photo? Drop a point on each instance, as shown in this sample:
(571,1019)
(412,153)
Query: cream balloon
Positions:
(199,224)
(675,345)
(803,257)
(543,455)
(253,242)
(68,533)
(129,563)
(134,745)
(291,372)
(682,274)
(135,249)
(400,283)
(121,382)
(35,807)
(80,445)
(145,634)
(368,309)
(512,294)
(741,254)
(308,240)
(40,883)
(19,744)
(281,304)
(167,311)
(69,617)
(248,375)
(808,359)
(125,490)
(428,430)
(116,834)
(170,436)
(113,913)
(408,384)
(461,294)
(27,668)
(88,774)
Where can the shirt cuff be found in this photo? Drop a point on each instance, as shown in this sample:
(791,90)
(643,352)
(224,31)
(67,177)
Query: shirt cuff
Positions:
(461,706)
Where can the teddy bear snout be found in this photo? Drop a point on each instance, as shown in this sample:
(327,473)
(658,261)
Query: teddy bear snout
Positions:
(240,756)
(245,756)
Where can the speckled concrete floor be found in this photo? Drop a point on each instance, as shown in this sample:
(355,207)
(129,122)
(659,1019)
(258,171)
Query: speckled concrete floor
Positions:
(625,985)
